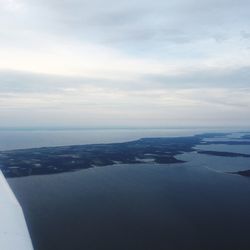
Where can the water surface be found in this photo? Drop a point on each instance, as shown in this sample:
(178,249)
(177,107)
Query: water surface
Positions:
(137,207)
(195,205)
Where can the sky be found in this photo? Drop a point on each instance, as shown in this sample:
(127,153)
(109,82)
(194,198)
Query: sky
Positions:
(116,63)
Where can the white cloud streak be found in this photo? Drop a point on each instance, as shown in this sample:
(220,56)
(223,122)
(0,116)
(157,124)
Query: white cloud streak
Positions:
(124,63)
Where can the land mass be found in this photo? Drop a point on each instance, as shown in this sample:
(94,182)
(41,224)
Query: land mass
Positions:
(225,154)
(243,173)
(247,137)
(240,142)
(49,160)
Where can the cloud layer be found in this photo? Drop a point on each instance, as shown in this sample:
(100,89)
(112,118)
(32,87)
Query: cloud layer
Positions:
(120,63)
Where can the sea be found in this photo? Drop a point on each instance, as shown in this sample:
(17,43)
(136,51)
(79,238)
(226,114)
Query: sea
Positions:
(197,205)
(20,138)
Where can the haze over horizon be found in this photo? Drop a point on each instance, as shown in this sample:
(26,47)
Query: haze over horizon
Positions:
(113,63)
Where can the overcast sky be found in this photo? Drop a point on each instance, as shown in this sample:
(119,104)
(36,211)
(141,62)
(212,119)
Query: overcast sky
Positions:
(108,63)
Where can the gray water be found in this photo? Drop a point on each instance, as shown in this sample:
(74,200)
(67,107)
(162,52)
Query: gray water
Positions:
(196,205)
(33,138)
(137,207)
(241,149)
(216,163)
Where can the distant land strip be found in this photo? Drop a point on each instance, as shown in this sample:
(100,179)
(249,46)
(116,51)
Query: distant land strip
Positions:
(52,160)
(225,154)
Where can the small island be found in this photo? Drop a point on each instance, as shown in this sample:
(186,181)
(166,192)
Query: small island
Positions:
(245,173)
(224,154)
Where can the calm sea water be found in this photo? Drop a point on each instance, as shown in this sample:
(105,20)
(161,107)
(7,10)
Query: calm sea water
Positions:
(196,205)
(17,139)
(137,207)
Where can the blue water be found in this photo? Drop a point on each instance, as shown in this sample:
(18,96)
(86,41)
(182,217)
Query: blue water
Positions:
(33,138)
(197,205)
(242,149)
(216,163)
(137,207)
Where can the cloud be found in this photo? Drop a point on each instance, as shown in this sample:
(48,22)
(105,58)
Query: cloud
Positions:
(158,108)
(231,78)
(130,23)
(78,61)
(27,82)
